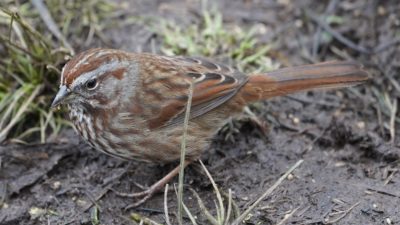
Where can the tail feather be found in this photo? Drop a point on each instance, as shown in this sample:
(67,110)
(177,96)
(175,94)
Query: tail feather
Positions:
(334,74)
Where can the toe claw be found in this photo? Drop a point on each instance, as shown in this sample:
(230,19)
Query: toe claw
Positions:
(141,201)
(131,195)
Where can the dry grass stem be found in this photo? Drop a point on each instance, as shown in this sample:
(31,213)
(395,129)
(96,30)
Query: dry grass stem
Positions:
(190,215)
(229,211)
(220,207)
(268,192)
(166,213)
(183,152)
(204,209)
(24,107)
(393,121)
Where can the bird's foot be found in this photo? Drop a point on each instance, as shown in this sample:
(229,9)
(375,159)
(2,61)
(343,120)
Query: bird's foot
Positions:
(153,189)
(142,195)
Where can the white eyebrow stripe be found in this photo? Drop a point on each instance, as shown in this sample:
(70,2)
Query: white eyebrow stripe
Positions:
(110,66)
(94,73)
(62,76)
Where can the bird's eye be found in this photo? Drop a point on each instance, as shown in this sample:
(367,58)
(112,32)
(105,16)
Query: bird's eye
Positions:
(91,84)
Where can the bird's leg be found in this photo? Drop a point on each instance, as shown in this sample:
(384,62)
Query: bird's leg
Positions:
(149,192)
(259,123)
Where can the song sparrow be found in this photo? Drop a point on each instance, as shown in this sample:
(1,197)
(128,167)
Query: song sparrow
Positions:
(132,105)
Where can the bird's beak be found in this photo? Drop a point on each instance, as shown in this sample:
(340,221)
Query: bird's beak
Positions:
(61,95)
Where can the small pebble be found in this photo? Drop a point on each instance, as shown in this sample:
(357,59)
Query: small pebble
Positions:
(340,164)
(381,10)
(361,124)
(56,185)
(81,202)
(36,212)
(5,206)
(298,23)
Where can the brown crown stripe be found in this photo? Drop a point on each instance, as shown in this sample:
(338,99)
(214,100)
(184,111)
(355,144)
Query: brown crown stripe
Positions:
(84,68)
(91,63)
(77,58)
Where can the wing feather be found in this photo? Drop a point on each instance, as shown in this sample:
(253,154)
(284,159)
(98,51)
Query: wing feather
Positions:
(214,84)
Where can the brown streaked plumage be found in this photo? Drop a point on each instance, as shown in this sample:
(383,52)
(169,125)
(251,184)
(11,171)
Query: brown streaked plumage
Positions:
(132,105)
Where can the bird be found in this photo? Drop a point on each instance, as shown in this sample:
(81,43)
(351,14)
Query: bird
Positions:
(132,105)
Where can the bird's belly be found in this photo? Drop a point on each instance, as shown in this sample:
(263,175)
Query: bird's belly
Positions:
(159,146)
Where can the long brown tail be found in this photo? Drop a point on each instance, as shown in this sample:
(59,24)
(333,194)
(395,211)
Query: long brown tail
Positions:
(334,74)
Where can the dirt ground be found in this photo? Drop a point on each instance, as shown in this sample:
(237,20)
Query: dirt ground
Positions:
(351,158)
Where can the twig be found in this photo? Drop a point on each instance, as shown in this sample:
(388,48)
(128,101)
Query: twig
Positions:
(394,82)
(142,220)
(337,35)
(287,216)
(311,145)
(48,20)
(345,213)
(379,190)
(384,46)
(383,192)
(268,192)
(388,179)
(93,201)
(183,152)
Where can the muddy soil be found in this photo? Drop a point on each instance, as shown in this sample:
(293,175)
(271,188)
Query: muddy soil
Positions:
(351,161)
